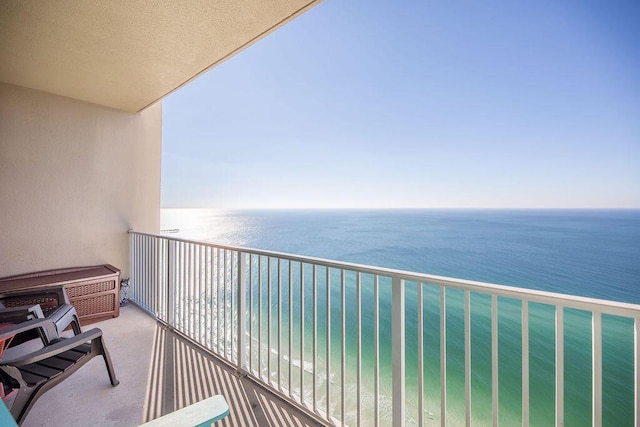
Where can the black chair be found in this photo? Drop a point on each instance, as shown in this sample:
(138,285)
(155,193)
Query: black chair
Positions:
(32,374)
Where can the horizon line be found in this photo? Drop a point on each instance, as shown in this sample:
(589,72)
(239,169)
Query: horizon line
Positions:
(271,208)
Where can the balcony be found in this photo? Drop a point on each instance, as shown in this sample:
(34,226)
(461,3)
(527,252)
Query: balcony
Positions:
(159,372)
(403,348)
(202,326)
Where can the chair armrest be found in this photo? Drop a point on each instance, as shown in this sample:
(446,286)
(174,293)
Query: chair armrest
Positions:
(53,349)
(21,313)
(203,413)
(18,309)
(26,326)
(44,327)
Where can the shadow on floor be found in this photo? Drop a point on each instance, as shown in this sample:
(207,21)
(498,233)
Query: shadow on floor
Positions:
(159,372)
(181,374)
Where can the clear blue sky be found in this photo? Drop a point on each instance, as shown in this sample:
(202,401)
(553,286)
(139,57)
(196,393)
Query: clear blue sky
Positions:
(512,104)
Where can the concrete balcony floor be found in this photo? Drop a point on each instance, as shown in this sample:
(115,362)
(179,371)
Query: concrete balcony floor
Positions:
(159,372)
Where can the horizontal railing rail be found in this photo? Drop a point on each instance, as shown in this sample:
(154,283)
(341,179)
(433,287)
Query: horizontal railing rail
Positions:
(360,345)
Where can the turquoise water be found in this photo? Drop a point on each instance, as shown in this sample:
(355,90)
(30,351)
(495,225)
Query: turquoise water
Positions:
(591,253)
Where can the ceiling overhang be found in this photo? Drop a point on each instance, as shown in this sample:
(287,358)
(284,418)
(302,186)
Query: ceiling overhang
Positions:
(126,54)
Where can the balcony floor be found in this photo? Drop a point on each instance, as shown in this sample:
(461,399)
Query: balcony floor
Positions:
(159,372)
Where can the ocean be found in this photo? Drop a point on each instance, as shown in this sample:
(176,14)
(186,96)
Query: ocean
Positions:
(592,253)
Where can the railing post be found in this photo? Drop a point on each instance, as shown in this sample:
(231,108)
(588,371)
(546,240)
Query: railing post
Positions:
(242,315)
(171,283)
(132,264)
(636,370)
(596,373)
(397,329)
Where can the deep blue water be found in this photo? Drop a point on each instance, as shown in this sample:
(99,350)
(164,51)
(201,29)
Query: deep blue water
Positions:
(594,253)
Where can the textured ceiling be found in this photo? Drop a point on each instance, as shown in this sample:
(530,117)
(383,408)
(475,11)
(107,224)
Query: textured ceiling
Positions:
(128,54)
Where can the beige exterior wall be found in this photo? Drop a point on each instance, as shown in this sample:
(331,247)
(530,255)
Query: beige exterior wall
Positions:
(74,177)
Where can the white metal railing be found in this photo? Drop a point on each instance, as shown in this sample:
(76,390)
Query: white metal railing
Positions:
(360,345)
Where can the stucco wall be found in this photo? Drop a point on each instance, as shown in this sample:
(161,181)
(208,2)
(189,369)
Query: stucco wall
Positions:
(73,178)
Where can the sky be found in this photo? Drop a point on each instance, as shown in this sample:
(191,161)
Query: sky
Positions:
(417,104)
